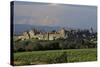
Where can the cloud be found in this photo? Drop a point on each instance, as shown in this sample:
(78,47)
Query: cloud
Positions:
(38,21)
(49,21)
(37,14)
(55,14)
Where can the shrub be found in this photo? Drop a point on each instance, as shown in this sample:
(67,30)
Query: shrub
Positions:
(58,59)
(31,45)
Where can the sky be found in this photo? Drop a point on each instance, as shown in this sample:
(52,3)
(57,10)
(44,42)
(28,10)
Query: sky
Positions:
(52,14)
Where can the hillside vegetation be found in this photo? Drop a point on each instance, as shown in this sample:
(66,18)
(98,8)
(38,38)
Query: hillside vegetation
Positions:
(55,56)
(38,45)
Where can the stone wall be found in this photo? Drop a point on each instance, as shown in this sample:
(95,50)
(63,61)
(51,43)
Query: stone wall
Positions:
(43,36)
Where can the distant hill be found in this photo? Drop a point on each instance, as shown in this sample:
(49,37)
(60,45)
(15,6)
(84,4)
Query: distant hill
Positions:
(19,28)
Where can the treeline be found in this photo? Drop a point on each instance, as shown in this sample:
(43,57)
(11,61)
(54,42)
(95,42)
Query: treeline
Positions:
(31,45)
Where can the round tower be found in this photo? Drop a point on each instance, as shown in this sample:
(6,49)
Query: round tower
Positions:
(62,32)
(32,33)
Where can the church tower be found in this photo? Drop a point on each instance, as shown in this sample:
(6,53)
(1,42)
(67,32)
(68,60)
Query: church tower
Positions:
(62,32)
(91,30)
(32,33)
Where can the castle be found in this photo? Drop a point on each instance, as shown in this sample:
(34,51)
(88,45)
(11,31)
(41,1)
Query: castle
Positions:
(34,34)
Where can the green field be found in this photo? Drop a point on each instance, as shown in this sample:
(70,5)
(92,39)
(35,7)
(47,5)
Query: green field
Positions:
(55,56)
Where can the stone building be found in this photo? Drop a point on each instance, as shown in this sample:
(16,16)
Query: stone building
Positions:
(34,34)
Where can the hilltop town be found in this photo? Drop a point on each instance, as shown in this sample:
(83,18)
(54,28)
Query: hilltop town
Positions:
(60,34)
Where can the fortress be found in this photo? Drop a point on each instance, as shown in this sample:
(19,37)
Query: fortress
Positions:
(34,34)
(60,34)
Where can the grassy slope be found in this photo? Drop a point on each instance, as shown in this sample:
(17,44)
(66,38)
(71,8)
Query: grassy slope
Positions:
(42,57)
